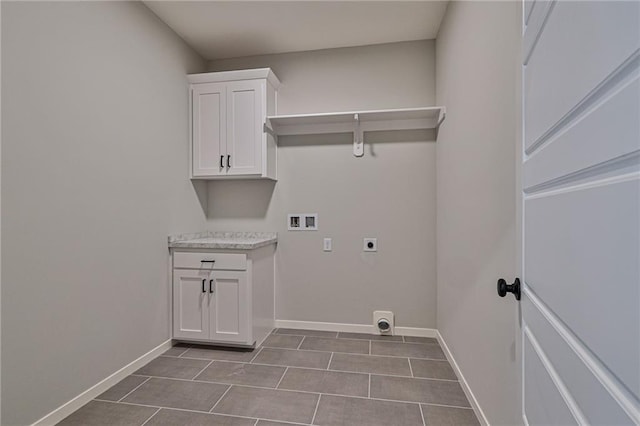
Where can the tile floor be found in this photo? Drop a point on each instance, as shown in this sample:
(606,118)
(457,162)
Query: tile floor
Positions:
(297,377)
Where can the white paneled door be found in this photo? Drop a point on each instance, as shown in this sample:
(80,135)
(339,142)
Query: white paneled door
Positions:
(245,115)
(581,204)
(190,304)
(230,307)
(209,111)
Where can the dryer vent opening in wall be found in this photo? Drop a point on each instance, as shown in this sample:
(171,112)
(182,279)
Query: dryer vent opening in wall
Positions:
(383,322)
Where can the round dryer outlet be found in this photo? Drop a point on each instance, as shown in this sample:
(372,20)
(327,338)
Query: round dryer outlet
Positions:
(383,322)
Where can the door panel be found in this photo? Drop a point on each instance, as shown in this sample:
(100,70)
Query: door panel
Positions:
(591,397)
(545,404)
(608,132)
(579,46)
(528,7)
(244,126)
(534,20)
(582,251)
(190,310)
(230,308)
(581,213)
(209,129)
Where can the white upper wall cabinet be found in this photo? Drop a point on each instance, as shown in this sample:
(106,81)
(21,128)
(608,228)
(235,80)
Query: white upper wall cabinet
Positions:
(228,112)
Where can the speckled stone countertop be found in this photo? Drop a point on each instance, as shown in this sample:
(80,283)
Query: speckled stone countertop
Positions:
(223,240)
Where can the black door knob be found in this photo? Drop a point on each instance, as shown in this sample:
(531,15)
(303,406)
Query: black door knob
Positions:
(504,288)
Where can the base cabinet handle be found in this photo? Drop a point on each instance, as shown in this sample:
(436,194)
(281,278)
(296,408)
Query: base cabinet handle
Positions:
(203,281)
(210,286)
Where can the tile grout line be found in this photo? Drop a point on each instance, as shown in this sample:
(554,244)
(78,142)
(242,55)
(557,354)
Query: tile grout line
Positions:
(300,344)
(153,406)
(369,390)
(200,372)
(369,347)
(305,368)
(411,368)
(315,412)
(133,390)
(220,399)
(184,409)
(282,378)
(341,353)
(316,350)
(185,351)
(422,414)
(238,416)
(295,390)
(329,364)
(152,416)
(284,422)
(402,338)
(256,356)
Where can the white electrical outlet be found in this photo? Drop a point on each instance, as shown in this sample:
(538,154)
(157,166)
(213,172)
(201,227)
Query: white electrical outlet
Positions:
(327,244)
(370,244)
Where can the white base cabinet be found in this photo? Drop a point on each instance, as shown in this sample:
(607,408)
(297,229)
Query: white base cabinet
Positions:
(223,297)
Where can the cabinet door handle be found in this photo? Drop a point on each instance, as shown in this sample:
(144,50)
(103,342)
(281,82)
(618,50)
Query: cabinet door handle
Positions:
(210,286)
(228,161)
(222,161)
(203,281)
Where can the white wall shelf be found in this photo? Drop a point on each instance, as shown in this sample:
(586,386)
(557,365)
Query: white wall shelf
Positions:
(357,122)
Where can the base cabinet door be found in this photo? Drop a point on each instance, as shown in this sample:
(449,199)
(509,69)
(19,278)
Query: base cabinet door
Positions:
(230,308)
(190,304)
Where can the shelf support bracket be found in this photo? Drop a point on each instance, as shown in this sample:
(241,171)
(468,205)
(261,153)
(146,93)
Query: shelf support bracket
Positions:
(358,138)
(441,115)
(267,129)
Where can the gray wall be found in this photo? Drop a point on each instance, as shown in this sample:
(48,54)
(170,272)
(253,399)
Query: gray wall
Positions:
(389,193)
(0,231)
(476,57)
(94,177)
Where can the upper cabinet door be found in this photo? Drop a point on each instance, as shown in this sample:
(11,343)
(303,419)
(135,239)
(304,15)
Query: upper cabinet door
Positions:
(209,112)
(245,118)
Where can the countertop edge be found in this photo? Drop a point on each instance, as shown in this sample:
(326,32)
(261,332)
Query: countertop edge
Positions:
(225,246)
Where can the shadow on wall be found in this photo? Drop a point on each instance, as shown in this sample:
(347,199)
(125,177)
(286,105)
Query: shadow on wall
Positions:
(239,199)
(370,138)
(386,136)
(202,192)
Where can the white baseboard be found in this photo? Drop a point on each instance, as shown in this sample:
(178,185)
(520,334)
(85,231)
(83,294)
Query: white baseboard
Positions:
(353,328)
(463,382)
(64,410)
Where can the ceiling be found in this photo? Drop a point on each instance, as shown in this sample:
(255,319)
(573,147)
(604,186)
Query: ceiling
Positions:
(229,29)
